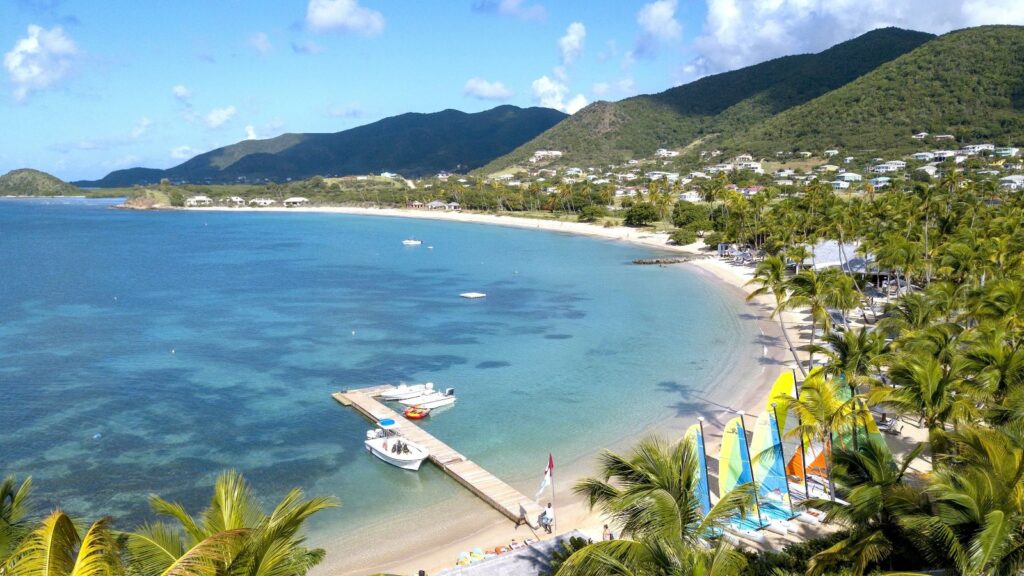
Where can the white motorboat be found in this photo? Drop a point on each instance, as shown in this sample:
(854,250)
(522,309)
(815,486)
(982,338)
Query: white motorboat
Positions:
(388,444)
(412,242)
(473,295)
(403,391)
(434,400)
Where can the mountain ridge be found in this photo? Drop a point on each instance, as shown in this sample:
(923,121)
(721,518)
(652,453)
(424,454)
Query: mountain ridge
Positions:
(412,144)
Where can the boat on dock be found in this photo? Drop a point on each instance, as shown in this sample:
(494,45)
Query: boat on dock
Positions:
(434,400)
(411,242)
(404,391)
(387,443)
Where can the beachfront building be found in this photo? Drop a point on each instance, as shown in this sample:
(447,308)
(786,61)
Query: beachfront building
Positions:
(414,204)
(234,201)
(454,206)
(262,202)
(436,205)
(295,201)
(198,201)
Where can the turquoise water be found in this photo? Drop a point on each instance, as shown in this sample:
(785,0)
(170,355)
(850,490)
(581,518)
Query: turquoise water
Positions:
(143,352)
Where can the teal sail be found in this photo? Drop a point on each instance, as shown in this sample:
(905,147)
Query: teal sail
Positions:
(695,434)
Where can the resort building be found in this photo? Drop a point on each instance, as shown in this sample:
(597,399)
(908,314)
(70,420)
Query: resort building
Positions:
(545,155)
(198,201)
(296,201)
(262,202)
(436,205)
(234,201)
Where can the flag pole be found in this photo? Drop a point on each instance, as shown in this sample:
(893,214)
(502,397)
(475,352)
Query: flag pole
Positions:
(554,524)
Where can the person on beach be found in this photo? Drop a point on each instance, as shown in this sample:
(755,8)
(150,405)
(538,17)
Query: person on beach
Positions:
(607,534)
(547,518)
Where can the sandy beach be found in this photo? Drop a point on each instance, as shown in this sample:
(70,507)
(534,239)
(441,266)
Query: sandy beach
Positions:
(437,547)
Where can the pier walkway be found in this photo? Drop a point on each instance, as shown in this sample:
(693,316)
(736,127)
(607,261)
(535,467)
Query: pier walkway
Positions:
(519,508)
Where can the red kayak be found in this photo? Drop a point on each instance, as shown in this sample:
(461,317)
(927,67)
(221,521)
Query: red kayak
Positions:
(415,413)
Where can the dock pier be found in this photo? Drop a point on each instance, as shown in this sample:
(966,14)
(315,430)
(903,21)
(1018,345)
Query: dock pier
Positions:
(515,505)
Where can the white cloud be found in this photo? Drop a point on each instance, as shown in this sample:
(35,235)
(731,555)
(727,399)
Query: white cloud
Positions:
(182,152)
(738,33)
(140,127)
(260,42)
(572,43)
(307,47)
(343,15)
(218,116)
(514,8)
(181,92)
(250,132)
(658,24)
(40,60)
(351,110)
(484,90)
(551,94)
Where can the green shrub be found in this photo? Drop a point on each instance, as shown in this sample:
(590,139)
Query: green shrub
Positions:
(592,213)
(691,215)
(683,236)
(641,214)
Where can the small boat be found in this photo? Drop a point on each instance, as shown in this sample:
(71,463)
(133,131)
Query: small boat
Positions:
(412,242)
(435,400)
(416,413)
(388,444)
(403,391)
(473,295)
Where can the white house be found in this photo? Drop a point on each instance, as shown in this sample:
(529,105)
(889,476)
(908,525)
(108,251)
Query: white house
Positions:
(436,205)
(1015,182)
(827,168)
(783,182)
(929,170)
(940,155)
(920,136)
(839,184)
(574,171)
(850,177)
(695,175)
(664,153)
(296,201)
(941,137)
(690,196)
(545,155)
(1007,152)
(831,152)
(880,182)
(234,201)
(657,175)
(198,201)
(262,202)
(882,169)
(972,149)
(847,159)
(751,165)
(744,158)
(923,156)
(897,164)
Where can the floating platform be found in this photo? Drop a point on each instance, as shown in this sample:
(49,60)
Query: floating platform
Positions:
(518,507)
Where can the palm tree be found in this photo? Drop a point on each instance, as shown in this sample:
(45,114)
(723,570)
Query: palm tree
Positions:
(770,275)
(977,512)
(852,353)
(924,385)
(876,495)
(54,548)
(653,496)
(818,291)
(997,362)
(233,533)
(14,510)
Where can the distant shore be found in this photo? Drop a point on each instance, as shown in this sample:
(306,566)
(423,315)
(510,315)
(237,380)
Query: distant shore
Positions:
(751,380)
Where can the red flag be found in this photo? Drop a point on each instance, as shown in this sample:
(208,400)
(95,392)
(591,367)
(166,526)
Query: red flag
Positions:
(547,476)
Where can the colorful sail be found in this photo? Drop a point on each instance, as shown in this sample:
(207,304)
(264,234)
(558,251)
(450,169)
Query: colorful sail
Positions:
(695,436)
(733,460)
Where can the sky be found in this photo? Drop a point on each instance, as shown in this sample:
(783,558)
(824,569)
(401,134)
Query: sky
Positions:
(91,86)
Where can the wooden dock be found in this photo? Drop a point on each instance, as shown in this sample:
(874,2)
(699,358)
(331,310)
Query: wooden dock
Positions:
(491,489)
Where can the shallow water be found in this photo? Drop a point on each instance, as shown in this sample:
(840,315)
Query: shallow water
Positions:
(143,352)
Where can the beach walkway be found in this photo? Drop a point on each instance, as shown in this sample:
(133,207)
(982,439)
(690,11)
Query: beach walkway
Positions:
(491,489)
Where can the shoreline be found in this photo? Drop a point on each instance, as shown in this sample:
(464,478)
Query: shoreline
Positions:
(487,528)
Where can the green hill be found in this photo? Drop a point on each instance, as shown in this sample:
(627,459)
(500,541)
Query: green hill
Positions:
(28,182)
(410,144)
(724,103)
(969,83)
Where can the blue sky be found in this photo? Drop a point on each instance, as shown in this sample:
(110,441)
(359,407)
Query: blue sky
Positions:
(92,86)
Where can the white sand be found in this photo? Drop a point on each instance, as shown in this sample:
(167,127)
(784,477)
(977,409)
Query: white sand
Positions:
(441,546)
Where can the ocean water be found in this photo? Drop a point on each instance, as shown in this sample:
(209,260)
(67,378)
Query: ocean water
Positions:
(144,352)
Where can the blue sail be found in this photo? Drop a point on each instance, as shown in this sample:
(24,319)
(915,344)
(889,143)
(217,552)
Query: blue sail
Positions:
(696,435)
(775,484)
